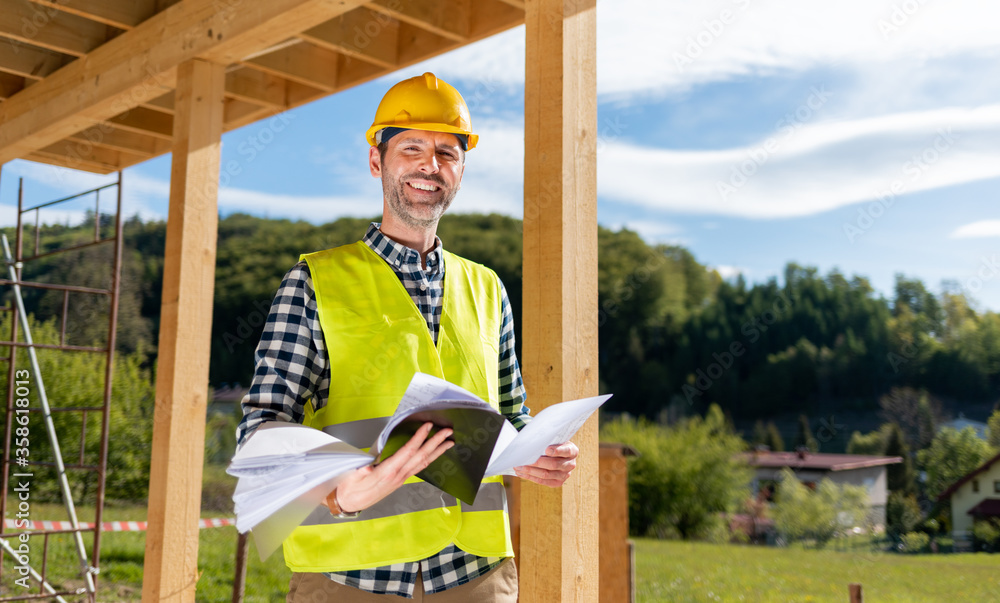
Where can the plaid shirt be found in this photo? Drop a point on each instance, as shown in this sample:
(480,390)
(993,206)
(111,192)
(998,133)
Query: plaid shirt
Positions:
(292,366)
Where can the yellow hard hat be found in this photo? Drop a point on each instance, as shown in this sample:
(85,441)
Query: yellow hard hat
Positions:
(423,102)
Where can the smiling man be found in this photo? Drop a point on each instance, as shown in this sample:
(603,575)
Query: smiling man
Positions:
(346,332)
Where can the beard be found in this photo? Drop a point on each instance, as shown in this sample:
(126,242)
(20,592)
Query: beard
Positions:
(412,213)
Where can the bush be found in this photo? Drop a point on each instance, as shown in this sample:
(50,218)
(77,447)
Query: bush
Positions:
(818,515)
(915,542)
(684,476)
(987,533)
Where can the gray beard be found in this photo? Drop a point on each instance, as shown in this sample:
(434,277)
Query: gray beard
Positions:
(400,205)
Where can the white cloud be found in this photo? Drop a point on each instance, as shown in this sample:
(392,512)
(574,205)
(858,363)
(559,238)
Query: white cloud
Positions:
(976,230)
(807,169)
(655,47)
(728,272)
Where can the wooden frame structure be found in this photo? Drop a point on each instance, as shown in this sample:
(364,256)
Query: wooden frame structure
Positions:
(100,85)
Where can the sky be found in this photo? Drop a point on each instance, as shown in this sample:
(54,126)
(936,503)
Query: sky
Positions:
(861,135)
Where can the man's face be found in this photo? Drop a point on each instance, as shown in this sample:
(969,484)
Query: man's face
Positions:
(421,174)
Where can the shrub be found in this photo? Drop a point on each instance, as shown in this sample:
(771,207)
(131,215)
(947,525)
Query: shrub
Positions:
(915,542)
(684,476)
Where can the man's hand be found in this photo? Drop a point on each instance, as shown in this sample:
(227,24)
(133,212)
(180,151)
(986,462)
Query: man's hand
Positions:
(552,469)
(366,486)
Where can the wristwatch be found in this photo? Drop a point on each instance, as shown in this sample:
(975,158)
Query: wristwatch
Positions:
(335,510)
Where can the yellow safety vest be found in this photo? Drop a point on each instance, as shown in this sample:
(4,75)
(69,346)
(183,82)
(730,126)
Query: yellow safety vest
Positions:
(377,339)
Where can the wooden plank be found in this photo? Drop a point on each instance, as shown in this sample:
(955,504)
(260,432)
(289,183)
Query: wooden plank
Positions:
(304,63)
(60,161)
(518,4)
(559,527)
(78,152)
(446,19)
(490,17)
(254,86)
(614,562)
(138,65)
(35,25)
(164,103)
(108,137)
(30,61)
(10,85)
(361,34)
(123,14)
(145,121)
(170,569)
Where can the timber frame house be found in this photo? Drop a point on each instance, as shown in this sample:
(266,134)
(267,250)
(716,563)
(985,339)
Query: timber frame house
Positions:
(100,85)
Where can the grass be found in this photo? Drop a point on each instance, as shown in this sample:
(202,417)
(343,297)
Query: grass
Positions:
(682,571)
(122,554)
(666,570)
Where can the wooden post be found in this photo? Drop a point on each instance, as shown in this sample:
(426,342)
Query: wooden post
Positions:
(559,527)
(856,595)
(171,563)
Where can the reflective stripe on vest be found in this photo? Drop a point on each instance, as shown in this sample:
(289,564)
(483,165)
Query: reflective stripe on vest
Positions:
(377,339)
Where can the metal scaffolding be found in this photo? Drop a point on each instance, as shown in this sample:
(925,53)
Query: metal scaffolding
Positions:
(19,465)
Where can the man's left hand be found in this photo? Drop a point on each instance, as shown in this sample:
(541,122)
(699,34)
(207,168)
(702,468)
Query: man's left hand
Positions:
(552,469)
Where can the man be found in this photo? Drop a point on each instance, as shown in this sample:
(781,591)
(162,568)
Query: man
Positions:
(346,332)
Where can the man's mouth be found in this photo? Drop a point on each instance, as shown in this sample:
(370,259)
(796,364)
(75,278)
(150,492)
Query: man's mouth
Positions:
(422,186)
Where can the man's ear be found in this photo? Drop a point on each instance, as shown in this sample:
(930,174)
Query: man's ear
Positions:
(374,162)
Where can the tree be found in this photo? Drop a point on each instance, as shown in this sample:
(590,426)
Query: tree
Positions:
(902,514)
(950,456)
(804,438)
(993,424)
(872,443)
(901,476)
(818,515)
(684,476)
(915,411)
(768,435)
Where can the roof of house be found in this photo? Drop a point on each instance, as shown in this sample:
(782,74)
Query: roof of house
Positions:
(968,476)
(823,461)
(988,507)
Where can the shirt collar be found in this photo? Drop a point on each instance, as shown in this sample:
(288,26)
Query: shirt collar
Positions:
(396,254)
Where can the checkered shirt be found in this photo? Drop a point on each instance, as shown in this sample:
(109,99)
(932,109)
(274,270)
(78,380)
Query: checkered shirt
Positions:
(292,366)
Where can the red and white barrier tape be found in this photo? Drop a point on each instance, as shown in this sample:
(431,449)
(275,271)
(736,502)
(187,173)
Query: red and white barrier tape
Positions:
(109,526)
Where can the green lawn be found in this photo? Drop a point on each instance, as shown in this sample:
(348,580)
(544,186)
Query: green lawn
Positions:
(680,571)
(667,570)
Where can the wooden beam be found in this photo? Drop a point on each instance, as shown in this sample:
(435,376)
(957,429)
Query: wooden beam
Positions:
(304,63)
(361,34)
(145,121)
(75,153)
(10,85)
(34,25)
(138,65)
(254,86)
(108,137)
(163,103)
(559,527)
(60,161)
(123,14)
(170,569)
(518,4)
(446,19)
(490,17)
(30,61)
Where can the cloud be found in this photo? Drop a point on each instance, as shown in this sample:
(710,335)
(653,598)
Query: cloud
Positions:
(667,47)
(728,272)
(807,168)
(977,230)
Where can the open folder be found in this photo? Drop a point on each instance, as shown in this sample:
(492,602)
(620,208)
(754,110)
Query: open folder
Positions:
(286,470)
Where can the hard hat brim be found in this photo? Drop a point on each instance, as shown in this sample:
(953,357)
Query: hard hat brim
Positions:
(429,127)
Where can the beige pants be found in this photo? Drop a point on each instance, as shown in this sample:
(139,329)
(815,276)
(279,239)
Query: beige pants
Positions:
(499,585)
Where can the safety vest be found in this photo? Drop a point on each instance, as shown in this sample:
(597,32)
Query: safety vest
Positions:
(377,339)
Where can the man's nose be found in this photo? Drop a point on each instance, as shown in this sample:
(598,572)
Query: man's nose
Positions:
(429,163)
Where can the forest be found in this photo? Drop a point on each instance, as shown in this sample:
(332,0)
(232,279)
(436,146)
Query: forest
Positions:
(674,336)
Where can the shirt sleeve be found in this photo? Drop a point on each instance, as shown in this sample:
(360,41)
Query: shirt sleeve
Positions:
(290,363)
(512,394)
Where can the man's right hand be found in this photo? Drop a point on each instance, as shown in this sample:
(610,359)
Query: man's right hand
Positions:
(364,487)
